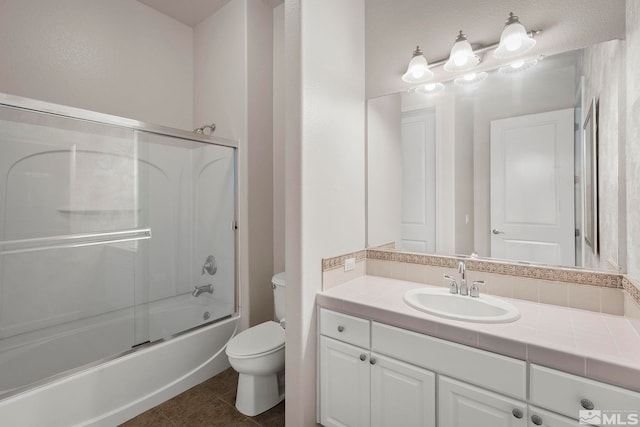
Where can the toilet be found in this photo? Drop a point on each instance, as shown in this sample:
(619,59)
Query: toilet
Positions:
(257,354)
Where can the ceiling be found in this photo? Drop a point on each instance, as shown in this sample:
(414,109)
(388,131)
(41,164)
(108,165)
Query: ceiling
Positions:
(394,28)
(192,12)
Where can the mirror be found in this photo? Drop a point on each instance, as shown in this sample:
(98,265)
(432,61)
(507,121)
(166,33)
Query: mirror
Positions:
(496,168)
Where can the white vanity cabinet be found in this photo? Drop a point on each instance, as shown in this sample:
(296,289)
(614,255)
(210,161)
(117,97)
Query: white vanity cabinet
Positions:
(362,388)
(372,374)
(344,384)
(462,405)
(569,394)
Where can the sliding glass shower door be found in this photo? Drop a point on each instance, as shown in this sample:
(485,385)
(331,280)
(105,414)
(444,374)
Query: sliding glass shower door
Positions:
(104,233)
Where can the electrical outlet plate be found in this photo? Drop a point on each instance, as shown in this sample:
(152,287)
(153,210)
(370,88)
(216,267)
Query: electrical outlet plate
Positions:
(349,264)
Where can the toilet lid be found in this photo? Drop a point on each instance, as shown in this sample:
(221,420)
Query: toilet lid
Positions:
(261,338)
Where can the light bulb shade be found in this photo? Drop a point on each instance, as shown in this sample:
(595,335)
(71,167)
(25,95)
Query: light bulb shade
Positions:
(418,70)
(471,79)
(430,88)
(518,66)
(514,40)
(461,57)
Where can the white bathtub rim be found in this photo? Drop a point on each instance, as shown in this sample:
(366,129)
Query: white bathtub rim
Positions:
(71,374)
(167,386)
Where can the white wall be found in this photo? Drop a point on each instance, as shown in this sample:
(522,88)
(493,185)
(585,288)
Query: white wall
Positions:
(325,107)
(632,148)
(384,170)
(117,57)
(233,89)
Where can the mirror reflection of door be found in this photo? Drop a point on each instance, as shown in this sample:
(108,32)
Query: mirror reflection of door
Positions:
(418,138)
(532,200)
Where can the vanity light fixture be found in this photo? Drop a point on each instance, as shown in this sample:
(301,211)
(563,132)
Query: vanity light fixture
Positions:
(470,79)
(518,66)
(418,70)
(461,57)
(429,88)
(514,40)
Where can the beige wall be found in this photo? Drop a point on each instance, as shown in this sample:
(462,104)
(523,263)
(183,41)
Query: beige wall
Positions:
(233,81)
(117,57)
(278,140)
(632,146)
(325,107)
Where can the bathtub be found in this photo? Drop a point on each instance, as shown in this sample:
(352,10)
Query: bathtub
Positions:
(114,390)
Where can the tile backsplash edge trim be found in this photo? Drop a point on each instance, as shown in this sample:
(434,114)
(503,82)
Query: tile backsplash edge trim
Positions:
(592,278)
(338,262)
(632,288)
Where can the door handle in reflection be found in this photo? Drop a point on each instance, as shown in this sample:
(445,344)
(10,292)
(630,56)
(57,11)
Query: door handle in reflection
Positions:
(496,231)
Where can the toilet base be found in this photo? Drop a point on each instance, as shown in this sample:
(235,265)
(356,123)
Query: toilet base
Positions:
(258,393)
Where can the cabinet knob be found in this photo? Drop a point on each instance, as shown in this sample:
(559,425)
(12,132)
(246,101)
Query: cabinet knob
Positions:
(536,420)
(340,328)
(517,413)
(363,357)
(373,360)
(587,404)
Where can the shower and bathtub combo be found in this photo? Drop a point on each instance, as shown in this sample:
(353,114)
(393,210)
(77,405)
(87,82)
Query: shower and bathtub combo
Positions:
(118,284)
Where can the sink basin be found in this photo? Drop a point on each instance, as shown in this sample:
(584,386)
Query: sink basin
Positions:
(439,302)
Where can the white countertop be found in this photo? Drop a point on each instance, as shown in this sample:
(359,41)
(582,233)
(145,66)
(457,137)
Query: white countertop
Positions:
(599,346)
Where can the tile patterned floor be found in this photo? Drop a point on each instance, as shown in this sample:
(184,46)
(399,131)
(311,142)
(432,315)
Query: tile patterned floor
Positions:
(209,404)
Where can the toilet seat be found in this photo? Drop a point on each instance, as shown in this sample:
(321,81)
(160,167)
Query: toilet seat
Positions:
(261,339)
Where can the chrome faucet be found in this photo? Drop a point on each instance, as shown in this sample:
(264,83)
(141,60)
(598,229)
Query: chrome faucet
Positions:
(199,290)
(474,292)
(463,281)
(453,286)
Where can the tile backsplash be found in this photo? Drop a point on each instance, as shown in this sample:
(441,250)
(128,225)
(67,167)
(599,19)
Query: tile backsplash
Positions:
(588,290)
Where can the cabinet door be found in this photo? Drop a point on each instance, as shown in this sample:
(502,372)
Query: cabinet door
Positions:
(401,394)
(463,405)
(344,384)
(540,417)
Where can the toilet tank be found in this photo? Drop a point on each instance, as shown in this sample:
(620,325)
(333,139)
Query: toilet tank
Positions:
(278,284)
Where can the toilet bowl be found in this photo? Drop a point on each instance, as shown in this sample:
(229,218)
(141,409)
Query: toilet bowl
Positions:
(257,354)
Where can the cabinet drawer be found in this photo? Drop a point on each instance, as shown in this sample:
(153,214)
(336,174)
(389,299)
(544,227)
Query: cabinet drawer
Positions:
(485,369)
(540,417)
(345,328)
(463,405)
(564,393)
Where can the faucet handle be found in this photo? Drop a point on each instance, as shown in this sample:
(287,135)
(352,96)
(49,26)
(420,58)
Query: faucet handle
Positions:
(453,286)
(474,292)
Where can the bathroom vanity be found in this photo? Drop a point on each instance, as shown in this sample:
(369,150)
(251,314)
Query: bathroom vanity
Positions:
(382,362)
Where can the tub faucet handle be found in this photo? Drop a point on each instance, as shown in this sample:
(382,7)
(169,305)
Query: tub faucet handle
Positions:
(210,266)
